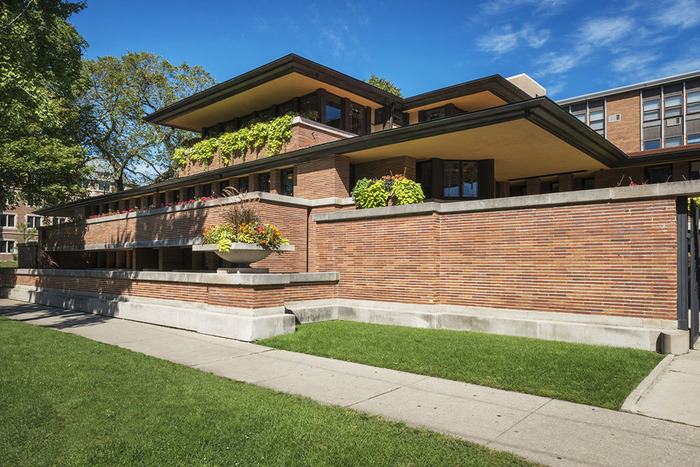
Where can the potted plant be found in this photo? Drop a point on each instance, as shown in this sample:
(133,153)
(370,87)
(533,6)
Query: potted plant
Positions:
(243,239)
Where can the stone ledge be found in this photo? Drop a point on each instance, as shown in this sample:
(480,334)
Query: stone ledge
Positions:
(192,277)
(689,188)
(637,333)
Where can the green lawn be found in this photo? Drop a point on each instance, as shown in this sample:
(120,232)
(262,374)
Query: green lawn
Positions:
(587,374)
(66,400)
(8,264)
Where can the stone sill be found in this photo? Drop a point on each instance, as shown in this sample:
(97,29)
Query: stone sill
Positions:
(690,188)
(246,280)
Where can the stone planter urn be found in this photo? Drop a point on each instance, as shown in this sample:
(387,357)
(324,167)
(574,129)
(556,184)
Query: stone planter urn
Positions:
(242,254)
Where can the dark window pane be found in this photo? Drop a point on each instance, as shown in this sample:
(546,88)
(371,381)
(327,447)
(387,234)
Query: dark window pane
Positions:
(658,174)
(451,180)
(243,184)
(469,180)
(206,190)
(434,114)
(222,188)
(176,196)
(333,113)
(357,120)
(190,193)
(653,144)
(264,182)
(288,182)
(588,183)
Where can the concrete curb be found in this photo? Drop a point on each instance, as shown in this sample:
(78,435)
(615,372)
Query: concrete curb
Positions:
(630,404)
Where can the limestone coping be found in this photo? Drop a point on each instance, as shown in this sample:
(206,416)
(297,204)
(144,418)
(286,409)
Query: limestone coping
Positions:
(241,279)
(689,188)
(281,199)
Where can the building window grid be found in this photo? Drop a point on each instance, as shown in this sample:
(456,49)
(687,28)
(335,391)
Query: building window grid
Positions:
(7,246)
(687,99)
(594,119)
(8,220)
(33,221)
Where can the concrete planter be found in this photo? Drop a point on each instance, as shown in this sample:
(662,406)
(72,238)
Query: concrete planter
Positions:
(242,254)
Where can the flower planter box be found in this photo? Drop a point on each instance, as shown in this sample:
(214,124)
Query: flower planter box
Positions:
(242,254)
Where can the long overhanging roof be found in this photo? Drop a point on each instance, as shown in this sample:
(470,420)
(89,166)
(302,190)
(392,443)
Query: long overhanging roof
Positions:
(294,76)
(527,139)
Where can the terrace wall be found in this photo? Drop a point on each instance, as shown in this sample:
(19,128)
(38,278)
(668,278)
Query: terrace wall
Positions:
(617,258)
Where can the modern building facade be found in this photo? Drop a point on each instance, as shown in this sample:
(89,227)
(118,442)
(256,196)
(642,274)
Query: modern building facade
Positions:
(584,250)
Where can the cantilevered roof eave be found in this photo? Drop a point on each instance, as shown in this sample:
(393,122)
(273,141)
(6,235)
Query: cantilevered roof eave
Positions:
(542,111)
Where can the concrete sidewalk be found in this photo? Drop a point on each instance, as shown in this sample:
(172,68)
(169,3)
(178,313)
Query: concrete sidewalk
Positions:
(538,428)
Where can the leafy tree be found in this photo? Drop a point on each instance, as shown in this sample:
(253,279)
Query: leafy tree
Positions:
(385,85)
(41,161)
(121,92)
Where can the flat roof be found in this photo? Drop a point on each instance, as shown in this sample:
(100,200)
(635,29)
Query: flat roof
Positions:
(630,87)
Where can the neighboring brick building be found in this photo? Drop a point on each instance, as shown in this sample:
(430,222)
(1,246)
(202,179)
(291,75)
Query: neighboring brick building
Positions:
(609,255)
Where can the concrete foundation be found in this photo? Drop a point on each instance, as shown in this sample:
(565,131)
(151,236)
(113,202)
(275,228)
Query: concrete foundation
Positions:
(654,335)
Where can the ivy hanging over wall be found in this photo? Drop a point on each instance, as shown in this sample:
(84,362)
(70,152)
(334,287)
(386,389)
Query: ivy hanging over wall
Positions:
(272,133)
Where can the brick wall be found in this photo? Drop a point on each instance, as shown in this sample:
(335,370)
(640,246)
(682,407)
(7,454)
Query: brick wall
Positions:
(303,136)
(396,165)
(608,259)
(222,295)
(183,224)
(327,177)
(13,233)
(624,134)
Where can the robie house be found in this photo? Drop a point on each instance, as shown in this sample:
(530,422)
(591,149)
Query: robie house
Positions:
(530,226)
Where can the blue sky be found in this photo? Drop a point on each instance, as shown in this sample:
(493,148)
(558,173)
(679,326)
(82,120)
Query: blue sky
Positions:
(569,47)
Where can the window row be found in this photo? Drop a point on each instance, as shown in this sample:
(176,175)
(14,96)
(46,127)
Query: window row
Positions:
(671,116)
(229,187)
(7,246)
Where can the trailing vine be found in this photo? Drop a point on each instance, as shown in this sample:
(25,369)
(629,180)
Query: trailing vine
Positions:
(272,133)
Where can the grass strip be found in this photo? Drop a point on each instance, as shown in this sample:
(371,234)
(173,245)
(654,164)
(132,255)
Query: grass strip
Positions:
(67,400)
(587,374)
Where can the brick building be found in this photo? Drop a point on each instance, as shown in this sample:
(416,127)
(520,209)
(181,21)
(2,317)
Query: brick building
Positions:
(584,250)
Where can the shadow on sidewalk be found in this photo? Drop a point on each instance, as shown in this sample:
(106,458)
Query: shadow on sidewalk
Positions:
(30,312)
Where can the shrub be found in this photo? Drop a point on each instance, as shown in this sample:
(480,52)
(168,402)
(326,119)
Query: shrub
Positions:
(377,193)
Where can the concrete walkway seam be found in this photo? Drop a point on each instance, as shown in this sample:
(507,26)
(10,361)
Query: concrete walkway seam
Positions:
(630,404)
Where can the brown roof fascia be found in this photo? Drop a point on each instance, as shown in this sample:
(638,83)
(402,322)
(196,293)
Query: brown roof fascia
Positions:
(288,64)
(661,156)
(496,84)
(565,126)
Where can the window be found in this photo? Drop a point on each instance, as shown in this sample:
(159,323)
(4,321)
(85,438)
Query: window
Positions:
(658,173)
(190,193)
(588,183)
(176,196)
(149,200)
(333,112)
(519,190)
(554,187)
(434,114)
(7,246)
(693,102)
(695,170)
(7,220)
(287,176)
(694,139)
(460,179)
(33,221)
(206,190)
(222,188)
(673,106)
(673,142)
(651,110)
(242,184)
(161,199)
(357,119)
(652,144)
(59,220)
(264,182)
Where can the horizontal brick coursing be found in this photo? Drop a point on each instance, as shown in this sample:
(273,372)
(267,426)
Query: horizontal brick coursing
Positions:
(613,259)
(231,296)
(187,224)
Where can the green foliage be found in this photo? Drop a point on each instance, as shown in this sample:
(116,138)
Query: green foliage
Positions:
(122,91)
(27,233)
(406,191)
(385,85)
(41,161)
(373,195)
(273,133)
(586,374)
(377,193)
(225,234)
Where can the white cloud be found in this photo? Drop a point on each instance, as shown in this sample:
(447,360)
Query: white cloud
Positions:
(506,39)
(554,64)
(604,31)
(677,67)
(683,14)
(335,42)
(497,7)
